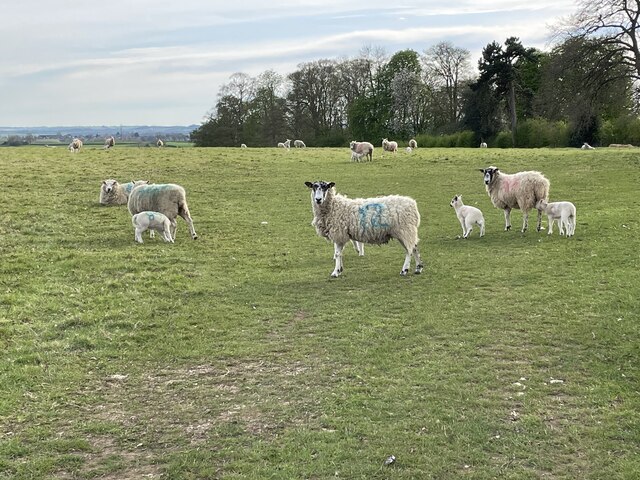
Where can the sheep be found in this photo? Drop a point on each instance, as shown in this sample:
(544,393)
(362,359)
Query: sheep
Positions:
(408,149)
(159,143)
(413,144)
(114,193)
(299,144)
(362,149)
(75,145)
(519,190)
(109,142)
(168,199)
(366,220)
(355,156)
(242,145)
(286,145)
(483,144)
(146,220)
(586,146)
(468,216)
(562,212)
(388,146)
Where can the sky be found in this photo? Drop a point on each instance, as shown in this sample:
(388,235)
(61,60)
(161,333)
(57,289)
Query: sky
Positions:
(154,62)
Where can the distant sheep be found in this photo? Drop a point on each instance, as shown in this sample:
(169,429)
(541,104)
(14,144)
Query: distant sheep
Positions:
(366,220)
(286,145)
(361,149)
(408,149)
(467,216)
(413,144)
(144,221)
(299,144)
(159,143)
(388,146)
(242,145)
(586,146)
(519,190)
(168,199)
(75,146)
(562,212)
(109,142)
(483,145)
(114,193)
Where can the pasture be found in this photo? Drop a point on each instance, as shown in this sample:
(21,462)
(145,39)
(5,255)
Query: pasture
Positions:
(236,355)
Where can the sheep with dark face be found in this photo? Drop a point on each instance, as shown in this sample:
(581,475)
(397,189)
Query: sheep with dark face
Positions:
(76,145)
(413,144)
(365,220)
(520,190)
(159,143)
(114,193)
(168,199)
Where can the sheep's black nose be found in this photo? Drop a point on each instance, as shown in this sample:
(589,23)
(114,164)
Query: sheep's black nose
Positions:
(318,200)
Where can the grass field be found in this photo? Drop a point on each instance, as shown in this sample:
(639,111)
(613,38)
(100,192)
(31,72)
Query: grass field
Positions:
(236,356)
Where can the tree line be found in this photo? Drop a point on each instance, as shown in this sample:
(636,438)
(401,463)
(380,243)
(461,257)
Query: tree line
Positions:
(583,90)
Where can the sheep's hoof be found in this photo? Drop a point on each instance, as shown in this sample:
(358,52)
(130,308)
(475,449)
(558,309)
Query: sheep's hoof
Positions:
(507,228)
(404,273)
(419,269)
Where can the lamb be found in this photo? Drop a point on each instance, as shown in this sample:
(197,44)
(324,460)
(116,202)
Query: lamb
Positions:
(468,216)
(586,146)
(299,144)
(483,144)
(362,149)
(242,145)
(146,220)
(286,145)
(388,146)
(159,143)
(408,149)
(169,199)
(355,156)
(562,212)
(519,190)
(75,145)
(413,144)
(366,220)
(114,193)
(109,142)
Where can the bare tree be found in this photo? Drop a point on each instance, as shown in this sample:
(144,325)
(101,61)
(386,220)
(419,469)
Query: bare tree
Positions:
(614,23)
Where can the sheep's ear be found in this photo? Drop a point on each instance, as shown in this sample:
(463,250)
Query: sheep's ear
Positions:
(104,182)
(482,170)
(332,184)
(309,184)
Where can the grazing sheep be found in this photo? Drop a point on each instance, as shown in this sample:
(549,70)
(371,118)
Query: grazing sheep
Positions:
(388,146)
(299,144)
(519,190)
(562,212)
(483,144)
(146,220)
(168,199)
(114,193)
(242,145)
(286,145)
(76,145)
(586,146)
(109,142)
(468,216)
(159,143)
(365,220)
(361,149)
(408,149)
(413,144)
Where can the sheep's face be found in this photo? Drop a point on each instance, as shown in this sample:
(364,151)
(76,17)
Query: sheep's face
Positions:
(109,185)
(541,205)
(319,191)
(489,174)
(456,201)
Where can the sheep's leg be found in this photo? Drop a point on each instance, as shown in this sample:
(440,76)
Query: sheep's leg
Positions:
(539,224)
(184,213)
(562,221)
(525,220)
(550,222)
(507,219)
(337,255)
(416,256)
(359,246)
(138,235)
(468,232)
(481,228)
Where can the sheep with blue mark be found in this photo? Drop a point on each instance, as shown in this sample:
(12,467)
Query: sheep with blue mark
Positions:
(151,221)
(169,199)
(114,193)
(365,220)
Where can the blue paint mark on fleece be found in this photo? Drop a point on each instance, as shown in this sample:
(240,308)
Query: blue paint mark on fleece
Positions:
(371,216)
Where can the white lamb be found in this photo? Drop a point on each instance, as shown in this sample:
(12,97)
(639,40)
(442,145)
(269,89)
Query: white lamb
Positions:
(519,190)
(388,146)
(299,144)
(562,212)
(168,199)
(586,146)
(243,145)
(286,145)
(408,149)
(483,145)
(366,220)
(413,144)
(114,193)
(151,221)
(468,216)
(361,149)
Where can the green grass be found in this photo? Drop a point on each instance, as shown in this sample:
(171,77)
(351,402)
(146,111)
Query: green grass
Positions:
(236,356)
